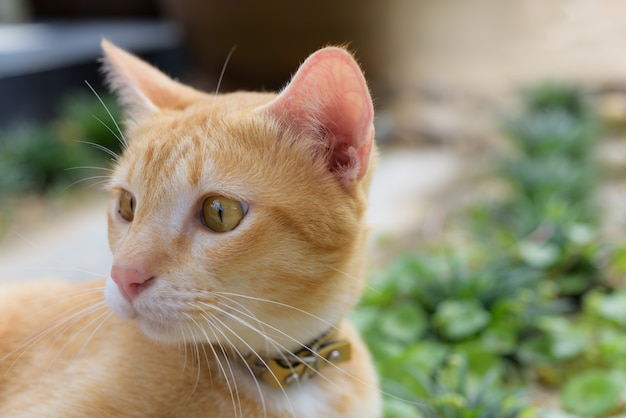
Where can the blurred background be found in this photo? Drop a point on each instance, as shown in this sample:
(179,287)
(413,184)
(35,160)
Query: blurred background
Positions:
(499,195)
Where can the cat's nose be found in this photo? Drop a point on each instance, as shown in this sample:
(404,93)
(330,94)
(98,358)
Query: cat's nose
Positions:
(130,280)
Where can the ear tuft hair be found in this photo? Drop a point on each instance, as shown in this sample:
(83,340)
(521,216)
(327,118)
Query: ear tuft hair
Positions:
(140,87)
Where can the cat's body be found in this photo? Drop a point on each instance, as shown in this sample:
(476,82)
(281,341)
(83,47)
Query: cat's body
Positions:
(237,228)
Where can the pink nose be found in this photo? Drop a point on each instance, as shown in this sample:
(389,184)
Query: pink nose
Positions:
(130,281)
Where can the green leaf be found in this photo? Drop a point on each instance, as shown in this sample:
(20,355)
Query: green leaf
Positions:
(501,336)
(395,408)
(538,255)
(405,322)
(591,393)
(613,308)
(554,413)
(425,355)
(480,360)
(581,234)
(458,319)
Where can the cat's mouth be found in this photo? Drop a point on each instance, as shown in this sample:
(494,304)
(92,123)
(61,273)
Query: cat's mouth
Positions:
(160,325)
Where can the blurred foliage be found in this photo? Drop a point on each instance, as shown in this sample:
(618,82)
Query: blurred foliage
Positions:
(465,333)
(41,158)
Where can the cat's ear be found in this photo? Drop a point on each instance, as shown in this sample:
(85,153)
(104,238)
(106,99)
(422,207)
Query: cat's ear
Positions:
(328,98)
(139,86)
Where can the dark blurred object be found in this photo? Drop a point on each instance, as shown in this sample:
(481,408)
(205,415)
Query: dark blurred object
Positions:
(81,9)
(273,37)
(40,63)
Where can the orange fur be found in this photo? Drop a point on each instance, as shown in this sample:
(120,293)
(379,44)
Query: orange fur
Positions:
(287,273)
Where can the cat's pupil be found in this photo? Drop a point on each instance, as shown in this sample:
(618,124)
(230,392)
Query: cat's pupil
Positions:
(217,205)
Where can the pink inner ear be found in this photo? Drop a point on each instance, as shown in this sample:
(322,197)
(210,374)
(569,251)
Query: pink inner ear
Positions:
(329,95)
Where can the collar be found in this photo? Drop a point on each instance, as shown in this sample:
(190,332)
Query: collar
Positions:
(289,368)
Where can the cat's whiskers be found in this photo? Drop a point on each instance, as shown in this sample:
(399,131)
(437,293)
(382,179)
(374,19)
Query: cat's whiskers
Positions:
(217,90)
(226,61)
(45,329)
(56,298)
(104,180)
(285,350)
(241,321)
(225,352)
(326,361)
(196,356)
(67,324)
(76,333)
(183,346)
(281,304)
(200,334)
(90,167)
(61,323)
(281,349)
(232,386)
(242,357)
(242,306)
(121,136)
(352,277)
(278,347)
(116,157)
(115,135)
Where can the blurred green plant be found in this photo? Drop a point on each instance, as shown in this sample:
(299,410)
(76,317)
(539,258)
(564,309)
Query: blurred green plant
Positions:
(40,158)
(528,302)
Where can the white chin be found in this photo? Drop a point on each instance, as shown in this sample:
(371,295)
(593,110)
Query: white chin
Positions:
(159,332)
(118,303)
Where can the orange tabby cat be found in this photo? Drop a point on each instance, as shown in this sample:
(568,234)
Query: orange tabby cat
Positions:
(237,228)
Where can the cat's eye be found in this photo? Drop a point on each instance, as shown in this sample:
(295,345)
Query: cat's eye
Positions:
(221,214)
(126,205)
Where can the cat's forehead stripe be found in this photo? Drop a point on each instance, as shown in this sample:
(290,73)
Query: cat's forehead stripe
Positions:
(168,158)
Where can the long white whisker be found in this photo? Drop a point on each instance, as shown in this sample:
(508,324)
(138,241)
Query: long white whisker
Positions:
(217,359)
(104,180)
(115,135)
(311,368)
(102,148)
(46,330)
(251,315)
(232,388)
(321,358)
(250,348)
(218,329)
(89,167)
(281,304)
(104,316)
(123,138)
(196,355)
(228,57)
(226,359)
(75,334)
(350,276)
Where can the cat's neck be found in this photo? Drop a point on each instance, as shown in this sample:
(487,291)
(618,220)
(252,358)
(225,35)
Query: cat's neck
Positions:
(293,367)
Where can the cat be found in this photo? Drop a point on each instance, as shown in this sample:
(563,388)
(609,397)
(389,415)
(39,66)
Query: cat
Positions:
(236,223)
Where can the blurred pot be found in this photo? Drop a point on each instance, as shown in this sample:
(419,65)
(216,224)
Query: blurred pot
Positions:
(76,9)
(272,37)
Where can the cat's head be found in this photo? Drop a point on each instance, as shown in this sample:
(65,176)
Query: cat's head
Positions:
(239,218)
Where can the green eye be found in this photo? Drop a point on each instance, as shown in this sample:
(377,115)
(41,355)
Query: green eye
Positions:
(126,205)
(221,214)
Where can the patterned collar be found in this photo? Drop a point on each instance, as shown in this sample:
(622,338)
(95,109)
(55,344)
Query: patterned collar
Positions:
(303,364)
